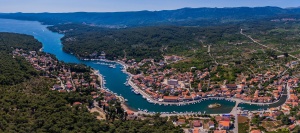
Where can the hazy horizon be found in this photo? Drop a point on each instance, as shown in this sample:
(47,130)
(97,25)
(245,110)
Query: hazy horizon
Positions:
(65,6)
(148,10)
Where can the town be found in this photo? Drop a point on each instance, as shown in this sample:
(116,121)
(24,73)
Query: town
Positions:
(168,87)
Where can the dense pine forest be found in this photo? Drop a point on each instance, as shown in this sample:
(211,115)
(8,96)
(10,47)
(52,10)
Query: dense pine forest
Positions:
(142,42)
(15,70)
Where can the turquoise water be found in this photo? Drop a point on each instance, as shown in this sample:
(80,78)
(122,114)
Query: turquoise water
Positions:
(115,78)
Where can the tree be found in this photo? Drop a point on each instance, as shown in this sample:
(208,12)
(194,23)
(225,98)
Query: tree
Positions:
(285,120)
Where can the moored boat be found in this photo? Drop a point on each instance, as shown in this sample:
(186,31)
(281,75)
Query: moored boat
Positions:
(136,92)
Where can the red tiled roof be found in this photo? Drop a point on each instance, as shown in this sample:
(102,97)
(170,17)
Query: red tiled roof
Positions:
(224,123)
(171,97)
(129,112)
(196,130)
(220,131)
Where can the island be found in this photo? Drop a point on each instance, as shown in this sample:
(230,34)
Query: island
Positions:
(215,105)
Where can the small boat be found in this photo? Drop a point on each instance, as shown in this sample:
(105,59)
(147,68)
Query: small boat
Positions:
(126,100)
(126,84)
(112,66)
(136,92)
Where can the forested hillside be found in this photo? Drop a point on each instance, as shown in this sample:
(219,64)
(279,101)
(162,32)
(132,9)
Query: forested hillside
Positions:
(27,104)
(184,17)
(141,42)
(15,69)
(9,41)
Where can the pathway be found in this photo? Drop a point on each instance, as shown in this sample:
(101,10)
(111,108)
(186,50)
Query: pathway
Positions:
(96,108)
(100,78)
(61,83)
(248,36)
(208,50)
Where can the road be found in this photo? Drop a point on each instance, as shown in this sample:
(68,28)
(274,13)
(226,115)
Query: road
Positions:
(288,90)
(234,112)
(248,36)
(61,83)
(208,50)
(100,78)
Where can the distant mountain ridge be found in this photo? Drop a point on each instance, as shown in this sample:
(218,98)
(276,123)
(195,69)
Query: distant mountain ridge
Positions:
(184,16)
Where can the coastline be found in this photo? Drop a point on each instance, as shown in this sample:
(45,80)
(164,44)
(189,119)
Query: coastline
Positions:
(151,100)
(102,85)
(100,77)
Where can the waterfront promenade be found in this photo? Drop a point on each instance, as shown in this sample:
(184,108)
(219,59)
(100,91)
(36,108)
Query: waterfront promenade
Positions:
(100,78)
(238,101)
(151,100)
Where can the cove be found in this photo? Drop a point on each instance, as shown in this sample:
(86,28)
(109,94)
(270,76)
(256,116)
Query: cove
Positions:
(114,77)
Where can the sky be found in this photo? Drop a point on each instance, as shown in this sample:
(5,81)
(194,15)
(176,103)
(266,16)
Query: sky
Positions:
(130,5)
